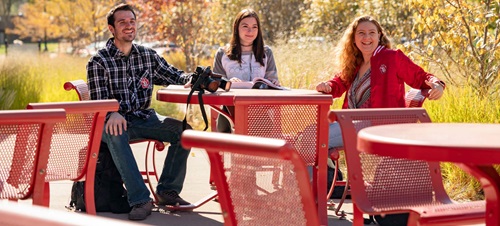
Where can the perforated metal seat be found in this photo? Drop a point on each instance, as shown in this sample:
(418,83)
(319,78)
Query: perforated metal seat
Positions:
(248,193)
(25,137)
(75,144)
(413,98)
(385,185)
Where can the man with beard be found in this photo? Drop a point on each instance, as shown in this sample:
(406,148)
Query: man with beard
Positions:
(126,72)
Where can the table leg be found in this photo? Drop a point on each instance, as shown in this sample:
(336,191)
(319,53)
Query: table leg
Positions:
(321,184)
(490,181)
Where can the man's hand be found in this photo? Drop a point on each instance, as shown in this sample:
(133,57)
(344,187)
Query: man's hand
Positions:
(116,124)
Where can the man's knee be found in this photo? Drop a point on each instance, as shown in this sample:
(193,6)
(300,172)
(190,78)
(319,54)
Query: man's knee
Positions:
(114,139)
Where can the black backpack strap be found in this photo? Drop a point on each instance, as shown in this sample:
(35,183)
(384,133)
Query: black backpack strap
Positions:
(370,220)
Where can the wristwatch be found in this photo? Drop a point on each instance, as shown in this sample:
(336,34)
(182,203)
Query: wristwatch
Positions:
(441,83)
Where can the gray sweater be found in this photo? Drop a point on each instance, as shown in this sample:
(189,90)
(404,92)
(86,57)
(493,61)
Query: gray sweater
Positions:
(249,67)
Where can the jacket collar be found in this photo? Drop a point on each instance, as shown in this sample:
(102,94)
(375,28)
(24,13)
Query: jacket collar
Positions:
(377,50)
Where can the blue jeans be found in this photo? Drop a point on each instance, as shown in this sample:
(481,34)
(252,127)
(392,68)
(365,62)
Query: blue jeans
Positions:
(156,127)
(334,135)
(334,140)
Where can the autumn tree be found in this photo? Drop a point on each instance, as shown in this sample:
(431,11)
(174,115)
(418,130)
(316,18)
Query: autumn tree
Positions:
(187,23)
(78,21)
(38,21)
(327,18)
(330,18)
(395,16)
(462,39)
(279,18)
(6,7)
(83,21)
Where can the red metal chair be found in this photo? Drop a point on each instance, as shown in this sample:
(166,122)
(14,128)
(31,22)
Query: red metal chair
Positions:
(247,193)
(25,137)
(82,90)
(383,185)
(75,144)
(413,98)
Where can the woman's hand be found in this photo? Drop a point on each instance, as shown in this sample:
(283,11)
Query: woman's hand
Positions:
(234,79)
(437,90)
(275,82)
(324,87)
(116,124)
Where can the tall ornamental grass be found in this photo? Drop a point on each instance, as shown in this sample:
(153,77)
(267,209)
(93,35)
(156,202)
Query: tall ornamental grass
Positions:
(461,105)
(18,85)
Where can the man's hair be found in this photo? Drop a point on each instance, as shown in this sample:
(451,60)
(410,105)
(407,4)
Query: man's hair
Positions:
(121,7)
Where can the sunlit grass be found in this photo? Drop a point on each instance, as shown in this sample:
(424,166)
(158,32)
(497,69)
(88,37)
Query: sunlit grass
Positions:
(40,78)
(303,65)
(461,105)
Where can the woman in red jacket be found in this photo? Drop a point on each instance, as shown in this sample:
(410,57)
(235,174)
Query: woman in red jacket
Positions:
(373,74)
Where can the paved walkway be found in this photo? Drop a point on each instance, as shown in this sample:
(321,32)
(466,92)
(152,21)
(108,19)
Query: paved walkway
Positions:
(196,187)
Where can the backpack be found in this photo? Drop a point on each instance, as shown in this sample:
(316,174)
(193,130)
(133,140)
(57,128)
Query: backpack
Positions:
(109,193)
(397,219)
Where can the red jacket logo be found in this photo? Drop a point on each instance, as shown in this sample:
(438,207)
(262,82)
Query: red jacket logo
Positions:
(383,69)
(144,83)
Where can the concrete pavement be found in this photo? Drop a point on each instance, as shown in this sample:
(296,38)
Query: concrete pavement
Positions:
(196,187)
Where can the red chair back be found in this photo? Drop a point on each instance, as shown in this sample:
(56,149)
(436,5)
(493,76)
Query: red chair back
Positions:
(382,185)
(75,143)
(414,98)
(80,87)
(25,138)
(244,168)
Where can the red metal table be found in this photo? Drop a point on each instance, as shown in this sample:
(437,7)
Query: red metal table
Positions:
(473,147)
(246,100)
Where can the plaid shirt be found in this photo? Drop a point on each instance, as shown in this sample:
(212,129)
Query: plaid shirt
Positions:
(112,75)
